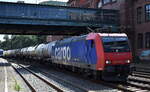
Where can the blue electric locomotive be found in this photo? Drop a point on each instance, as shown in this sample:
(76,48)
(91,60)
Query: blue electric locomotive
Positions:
(99,54)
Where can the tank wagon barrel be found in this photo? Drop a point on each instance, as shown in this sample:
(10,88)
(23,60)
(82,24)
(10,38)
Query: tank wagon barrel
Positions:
(1,52)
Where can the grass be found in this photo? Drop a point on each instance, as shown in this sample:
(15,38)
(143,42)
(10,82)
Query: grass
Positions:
(17,86)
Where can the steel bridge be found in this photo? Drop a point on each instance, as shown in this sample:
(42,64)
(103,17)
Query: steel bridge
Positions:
(21,18)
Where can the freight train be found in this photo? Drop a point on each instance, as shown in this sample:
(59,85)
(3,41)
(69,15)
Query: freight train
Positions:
(104,55)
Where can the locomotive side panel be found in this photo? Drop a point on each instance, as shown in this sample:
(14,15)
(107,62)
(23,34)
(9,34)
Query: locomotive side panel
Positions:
(79,53)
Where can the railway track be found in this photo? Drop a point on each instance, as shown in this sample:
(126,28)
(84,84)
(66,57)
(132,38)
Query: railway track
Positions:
(35,87)
(130,86)
(126,87)
(140,78)
(142,72)
(82,89)
(133,85)
(76,86)
(142,69)
(139,81)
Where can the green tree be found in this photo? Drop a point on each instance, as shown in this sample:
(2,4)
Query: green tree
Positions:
(21,41)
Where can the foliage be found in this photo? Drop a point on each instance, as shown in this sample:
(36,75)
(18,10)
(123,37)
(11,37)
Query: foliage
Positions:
(21,41)
(17,87)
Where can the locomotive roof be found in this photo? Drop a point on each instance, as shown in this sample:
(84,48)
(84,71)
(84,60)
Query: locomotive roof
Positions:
(75,38)
(93,35)
(112,34)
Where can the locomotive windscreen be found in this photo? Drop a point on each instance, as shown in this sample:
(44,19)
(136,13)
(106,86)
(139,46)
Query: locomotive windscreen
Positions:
(115,44)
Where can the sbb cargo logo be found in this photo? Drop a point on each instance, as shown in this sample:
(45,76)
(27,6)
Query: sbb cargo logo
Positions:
(63,53)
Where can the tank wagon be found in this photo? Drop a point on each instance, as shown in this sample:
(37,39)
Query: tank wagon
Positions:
(1,52)
(104,55)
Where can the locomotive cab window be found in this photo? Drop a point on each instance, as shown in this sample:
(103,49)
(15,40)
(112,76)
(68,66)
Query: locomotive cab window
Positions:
(116,44)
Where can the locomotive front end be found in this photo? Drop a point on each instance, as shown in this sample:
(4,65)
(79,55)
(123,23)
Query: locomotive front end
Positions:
(117,57)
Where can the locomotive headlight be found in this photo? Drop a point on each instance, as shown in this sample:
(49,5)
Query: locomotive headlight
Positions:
(127,61)
(108,62)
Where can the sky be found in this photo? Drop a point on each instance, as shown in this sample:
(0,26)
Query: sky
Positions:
(1,37)
(27,1)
